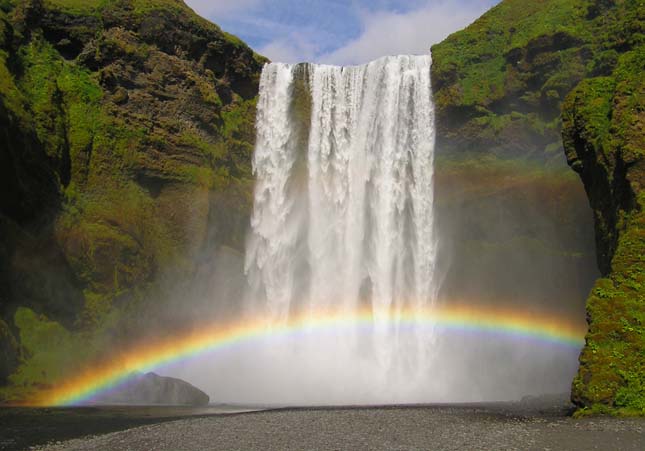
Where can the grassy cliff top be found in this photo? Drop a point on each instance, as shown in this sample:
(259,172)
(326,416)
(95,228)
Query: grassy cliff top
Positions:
(137,10)
(477,53)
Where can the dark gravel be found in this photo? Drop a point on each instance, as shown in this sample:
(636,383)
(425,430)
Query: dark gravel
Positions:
(477,427)
(22,427)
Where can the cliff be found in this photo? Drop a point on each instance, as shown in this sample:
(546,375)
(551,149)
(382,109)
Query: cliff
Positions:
(514,220)
(126,132)
(604,137)
(532,81)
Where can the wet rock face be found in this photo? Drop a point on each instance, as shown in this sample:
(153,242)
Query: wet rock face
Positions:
(152,389)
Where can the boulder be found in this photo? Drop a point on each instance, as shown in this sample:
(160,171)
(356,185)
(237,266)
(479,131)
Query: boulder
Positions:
(152,389)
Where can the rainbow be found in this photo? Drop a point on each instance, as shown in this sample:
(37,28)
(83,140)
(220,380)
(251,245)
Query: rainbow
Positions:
(148,356)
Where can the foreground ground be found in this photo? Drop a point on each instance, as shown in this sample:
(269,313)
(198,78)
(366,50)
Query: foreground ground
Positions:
(466,427)
(21,428)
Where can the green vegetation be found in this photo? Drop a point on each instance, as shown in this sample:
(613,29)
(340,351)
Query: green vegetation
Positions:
(605,142)
(477,53)
(137,9)
(47,345)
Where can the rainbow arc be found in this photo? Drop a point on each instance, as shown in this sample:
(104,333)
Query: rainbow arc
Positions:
(149,356)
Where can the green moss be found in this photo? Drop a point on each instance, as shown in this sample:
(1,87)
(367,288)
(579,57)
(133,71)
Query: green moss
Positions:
(238,138)
(115,236)
(592,103)
(65,103)
(604,138)
(51,352)
(86,7)
(476,53)
(140,9)
(6,6)
(48,347)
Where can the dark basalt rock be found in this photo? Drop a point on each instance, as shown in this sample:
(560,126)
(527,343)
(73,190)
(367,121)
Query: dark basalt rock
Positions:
(152,389)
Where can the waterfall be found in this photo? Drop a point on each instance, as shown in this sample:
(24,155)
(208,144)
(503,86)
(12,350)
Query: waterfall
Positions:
(341,261)
(343,206)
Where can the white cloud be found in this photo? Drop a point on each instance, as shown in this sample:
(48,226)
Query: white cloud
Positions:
(296,48)
(305,30)
(283,51)
(391,33)
(221,8)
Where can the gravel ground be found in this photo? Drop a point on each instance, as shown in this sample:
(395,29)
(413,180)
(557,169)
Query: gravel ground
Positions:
(388,428)
(23,427)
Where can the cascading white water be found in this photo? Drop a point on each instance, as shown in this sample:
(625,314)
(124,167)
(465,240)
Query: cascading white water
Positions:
(343,210)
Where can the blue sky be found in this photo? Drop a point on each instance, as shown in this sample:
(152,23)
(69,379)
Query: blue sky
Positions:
(340,31)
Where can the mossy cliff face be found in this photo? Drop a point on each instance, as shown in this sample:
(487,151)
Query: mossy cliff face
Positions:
(126,132)
(604,136)
(515,235)
(514,222)
(516,82)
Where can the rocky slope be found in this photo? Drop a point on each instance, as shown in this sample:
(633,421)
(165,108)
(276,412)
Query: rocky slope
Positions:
(512,83)
(126,132)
